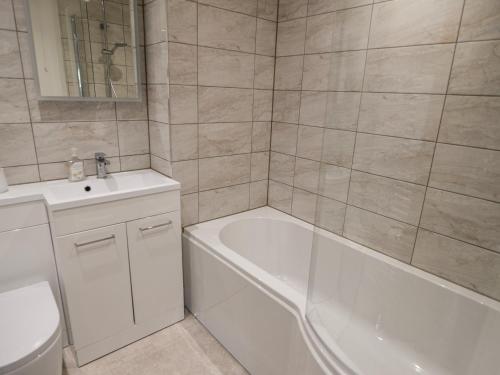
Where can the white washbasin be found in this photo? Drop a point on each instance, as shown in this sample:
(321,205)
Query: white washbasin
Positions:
(63,194)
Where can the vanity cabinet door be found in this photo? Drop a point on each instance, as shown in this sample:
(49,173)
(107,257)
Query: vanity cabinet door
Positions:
(156,268)
(96,282)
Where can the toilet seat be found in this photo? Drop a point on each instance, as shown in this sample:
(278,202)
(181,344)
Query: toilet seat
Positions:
(29,325)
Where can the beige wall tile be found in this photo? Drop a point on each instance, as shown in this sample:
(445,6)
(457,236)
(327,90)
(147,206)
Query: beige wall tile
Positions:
(158,102)
(264,72)
(219,139)
(13,104)
(471,121)
(323,6)
(403,159)
(337,110)
(266,37)
(476,69)
(133,162)
(309,142)
(218,67)
(161,165)
(338,31)
(53,171)
(330,215)
(243,6)
(396,199)
(413,116)
(224,171)
(465,218)
(461,263)
(10,56)
(284,138)
(217,104)
(304,205)
(306,175)
(182,21)
(17,147)
(289,9)
(258,194)
(184,141)
(338,147)
(7,15)
(261,136)
(189,209)
(182,64)
(407,22)
(340,71)
(183,104)
(467,170)
(291,37)
(155,17)
(386,235)
(186,172)
(289,73)
(224,201)
(480,21)
(156,56)
(22,174)
(223,29)
(280,196)
(282,168)
(262,105)
(54,140)
(160,139)
(334,181)
(133,137)
(423,69)
(259,169)
(133,110)
(267,9)
(286,106)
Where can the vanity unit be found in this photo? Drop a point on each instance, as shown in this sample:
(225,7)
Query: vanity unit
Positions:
(117,246)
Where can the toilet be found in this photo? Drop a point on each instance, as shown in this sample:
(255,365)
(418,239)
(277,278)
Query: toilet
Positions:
(30,332)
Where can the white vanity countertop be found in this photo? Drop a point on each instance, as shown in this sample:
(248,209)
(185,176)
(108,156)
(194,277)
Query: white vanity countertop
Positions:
(62,194)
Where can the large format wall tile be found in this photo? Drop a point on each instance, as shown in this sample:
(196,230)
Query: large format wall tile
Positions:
(224,139)
(217,104)
(222,202)
(218,67)
(10,57)
(464,264)
(471,121)
(306,175)
(403,159)
(289,9)
(280,196)
(338,31)
(288,74)
(476,69)
(224,171)
(282,168)
(423,69)
(160,139)
(403,115)
(259,166)
(182,64)
(184,141)
(291,37)
(133,137)
(330,215)
(481,20)
(396,199)
(408,22)
(182,21)
(309,142)
(323,6)
(183,104)
(467,170)
(265,38)
(242,6)
(304,205)
(223,29)
(339,71)
(337,110)
(338,147)
(284,138)
(262,105)
(264,72)
(386,235)
(13,104)
(17,147)
(286,106)
(186,172)
(465,218)
(258,194)
(334,182)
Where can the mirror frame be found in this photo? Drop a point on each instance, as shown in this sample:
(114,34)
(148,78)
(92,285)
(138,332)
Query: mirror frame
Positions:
(139,67)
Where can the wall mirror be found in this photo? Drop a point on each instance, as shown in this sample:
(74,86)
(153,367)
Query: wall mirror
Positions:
(85,49)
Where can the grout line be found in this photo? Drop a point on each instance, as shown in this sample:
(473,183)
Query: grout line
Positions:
(439,128)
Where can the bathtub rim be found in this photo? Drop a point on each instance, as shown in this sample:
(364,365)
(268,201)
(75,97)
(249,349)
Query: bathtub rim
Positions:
(330,359)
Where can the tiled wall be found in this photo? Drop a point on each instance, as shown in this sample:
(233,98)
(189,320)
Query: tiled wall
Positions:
(221,68)
(386,129)
(36,137)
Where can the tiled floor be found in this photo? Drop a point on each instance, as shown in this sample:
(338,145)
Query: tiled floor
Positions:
(184,348)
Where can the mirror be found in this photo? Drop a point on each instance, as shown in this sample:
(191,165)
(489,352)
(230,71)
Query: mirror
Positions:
(85,49)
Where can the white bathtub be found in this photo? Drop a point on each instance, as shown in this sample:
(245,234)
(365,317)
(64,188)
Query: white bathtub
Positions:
(246,280)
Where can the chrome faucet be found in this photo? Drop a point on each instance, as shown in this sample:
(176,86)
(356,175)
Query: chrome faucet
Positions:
(101,164)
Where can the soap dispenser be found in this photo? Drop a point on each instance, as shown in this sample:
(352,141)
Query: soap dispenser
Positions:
(76,172)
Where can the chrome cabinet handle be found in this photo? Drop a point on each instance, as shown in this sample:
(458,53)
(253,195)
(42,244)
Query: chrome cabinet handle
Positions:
(80,244)
(169,222)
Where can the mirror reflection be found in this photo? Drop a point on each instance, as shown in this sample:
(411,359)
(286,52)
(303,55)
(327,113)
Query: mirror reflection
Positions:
(85,48)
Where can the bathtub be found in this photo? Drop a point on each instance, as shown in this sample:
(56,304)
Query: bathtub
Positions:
(281,308)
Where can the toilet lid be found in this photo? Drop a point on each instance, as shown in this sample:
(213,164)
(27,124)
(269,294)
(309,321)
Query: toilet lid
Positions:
(29,321)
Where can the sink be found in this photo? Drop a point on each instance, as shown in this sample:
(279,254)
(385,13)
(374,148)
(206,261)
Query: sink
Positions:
(63,194)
